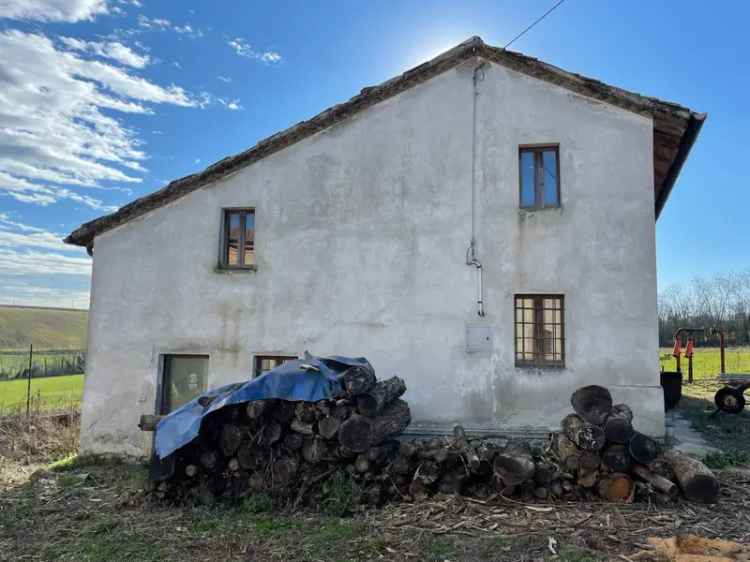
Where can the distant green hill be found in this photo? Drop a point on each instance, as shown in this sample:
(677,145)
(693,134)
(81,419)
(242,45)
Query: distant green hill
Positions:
(46,328)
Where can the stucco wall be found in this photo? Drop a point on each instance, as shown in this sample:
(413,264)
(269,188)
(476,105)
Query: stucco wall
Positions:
(361,238)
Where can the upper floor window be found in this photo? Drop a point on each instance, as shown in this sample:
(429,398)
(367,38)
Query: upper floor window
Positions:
(540,331)
(238,247)
(540,177)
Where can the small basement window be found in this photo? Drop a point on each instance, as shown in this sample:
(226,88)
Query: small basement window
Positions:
(540,177)
(184,377)
(238,239)
(540,331)
(264,363)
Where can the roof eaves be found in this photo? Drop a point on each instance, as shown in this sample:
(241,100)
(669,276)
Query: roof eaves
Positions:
(670,118)
(692,130)
(84,234)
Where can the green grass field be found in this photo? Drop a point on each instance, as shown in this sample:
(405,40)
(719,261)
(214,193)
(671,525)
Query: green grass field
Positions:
(707,361)
(46,328)
(49,393)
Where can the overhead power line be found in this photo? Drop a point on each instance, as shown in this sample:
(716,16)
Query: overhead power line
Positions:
(544,15)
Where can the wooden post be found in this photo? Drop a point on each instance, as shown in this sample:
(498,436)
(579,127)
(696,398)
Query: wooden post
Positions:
(28,381)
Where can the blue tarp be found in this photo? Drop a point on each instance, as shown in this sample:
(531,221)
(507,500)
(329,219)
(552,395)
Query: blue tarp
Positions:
(309,380)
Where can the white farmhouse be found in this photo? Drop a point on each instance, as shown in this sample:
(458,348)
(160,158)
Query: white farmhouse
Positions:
(482,225)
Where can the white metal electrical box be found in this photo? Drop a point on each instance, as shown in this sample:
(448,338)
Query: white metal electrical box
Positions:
(478,337)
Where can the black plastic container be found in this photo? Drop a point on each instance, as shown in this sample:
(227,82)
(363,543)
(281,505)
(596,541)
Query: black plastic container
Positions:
(671,383)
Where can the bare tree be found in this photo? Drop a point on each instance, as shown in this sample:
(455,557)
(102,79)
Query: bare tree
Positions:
(720,301)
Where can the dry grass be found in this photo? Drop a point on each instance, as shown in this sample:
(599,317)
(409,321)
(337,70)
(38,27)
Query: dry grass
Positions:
(28,443)
(86,509)
(94,511)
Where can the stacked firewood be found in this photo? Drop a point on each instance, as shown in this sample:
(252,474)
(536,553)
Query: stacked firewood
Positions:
(284,447)
(291,448)
(599,452)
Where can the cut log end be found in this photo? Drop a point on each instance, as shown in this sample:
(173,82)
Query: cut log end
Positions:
(702,488)
(515,465)
(356,433)
(617,488)
(642,448)
(383,393)
(593,403)
(696,480)
(357,380)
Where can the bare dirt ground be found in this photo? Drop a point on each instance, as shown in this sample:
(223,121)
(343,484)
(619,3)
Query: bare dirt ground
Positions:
(88,510)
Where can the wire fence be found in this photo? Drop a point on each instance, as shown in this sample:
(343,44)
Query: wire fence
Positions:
(43,363)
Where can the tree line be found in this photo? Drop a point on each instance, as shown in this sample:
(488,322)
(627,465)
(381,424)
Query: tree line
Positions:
(720,301)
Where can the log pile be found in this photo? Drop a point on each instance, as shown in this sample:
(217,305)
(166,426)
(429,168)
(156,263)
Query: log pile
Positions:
(291,448)
(287,447)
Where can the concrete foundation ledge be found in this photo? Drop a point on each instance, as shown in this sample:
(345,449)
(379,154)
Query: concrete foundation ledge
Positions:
(647,403)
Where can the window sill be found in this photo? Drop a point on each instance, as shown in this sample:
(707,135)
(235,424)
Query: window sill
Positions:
(244,269)
(540,209)
(526,367)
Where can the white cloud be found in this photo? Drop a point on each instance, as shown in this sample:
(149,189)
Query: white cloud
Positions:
(163,24)
(270,56)
(59,271)
(231,105)
(52,10)
(54,133)
(108,49)
(225,79)
(33,262)
(153,23)
(187,30)
(244,49)
(14,234)
(13,293)
(206,99)
(43,195)
(29,250)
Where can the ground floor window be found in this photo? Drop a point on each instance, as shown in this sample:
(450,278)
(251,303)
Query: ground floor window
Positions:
(184,377)
(540,331)
(264,363)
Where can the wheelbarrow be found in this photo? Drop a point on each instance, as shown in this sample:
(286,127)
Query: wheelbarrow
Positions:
(730,398)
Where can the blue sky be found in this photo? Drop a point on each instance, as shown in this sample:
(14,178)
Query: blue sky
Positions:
(102,101)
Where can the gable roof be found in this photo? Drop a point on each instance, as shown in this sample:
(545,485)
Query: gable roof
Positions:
(675,128)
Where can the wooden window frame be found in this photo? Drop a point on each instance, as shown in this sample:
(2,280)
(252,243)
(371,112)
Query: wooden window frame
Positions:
(537,150)
(163,405)
(539,362)
(259,359)
(224,246)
